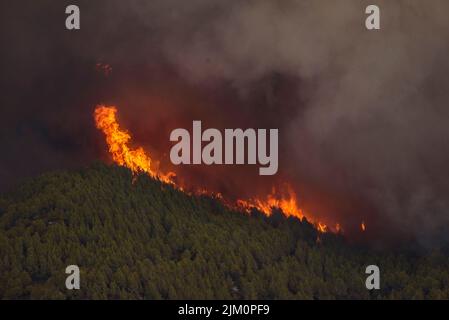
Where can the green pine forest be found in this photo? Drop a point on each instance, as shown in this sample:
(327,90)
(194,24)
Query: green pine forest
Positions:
(136,238)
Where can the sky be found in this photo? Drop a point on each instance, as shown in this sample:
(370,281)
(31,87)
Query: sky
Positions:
(362,115)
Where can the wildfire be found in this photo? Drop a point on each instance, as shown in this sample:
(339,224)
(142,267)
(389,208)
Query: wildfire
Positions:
(285,201)
(137,160)
(118,142)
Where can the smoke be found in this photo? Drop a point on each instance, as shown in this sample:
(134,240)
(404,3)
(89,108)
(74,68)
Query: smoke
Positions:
(362,115)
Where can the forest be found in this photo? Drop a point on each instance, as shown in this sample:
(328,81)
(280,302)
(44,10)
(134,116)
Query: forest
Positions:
(134,237)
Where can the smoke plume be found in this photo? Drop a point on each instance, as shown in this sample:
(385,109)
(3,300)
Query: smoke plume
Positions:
(362,115)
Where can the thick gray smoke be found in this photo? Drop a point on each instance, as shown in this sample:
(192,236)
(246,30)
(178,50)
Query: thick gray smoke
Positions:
(376,118)
(363,115)
(374,125)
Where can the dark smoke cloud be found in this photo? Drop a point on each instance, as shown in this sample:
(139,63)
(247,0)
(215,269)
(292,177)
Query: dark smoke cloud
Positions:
(362,115)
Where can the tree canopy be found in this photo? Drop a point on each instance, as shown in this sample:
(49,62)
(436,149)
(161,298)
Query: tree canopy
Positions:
(137,238)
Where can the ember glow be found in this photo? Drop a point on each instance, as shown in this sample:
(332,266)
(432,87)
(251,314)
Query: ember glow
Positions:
(138,161)
(104,68)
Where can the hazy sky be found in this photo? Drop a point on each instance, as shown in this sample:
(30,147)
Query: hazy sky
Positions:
(363,115)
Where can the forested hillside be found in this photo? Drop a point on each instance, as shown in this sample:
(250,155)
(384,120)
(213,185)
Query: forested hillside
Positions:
(135,238)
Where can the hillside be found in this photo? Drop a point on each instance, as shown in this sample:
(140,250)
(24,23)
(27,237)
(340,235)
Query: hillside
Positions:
(140,239)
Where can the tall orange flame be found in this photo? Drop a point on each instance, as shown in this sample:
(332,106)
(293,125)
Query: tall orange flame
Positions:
(137,160)
(118,142)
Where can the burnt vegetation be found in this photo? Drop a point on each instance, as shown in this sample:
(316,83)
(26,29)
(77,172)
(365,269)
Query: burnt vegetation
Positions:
(137,238)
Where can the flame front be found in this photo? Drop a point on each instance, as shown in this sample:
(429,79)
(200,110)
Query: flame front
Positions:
(137,160)
(285,201)
(118,142)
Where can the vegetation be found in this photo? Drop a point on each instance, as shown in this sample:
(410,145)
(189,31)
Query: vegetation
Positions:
(140,239)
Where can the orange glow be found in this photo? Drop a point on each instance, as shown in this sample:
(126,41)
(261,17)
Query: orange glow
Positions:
(362,226)
(338,228)
(321,227)
(137,160)
(118,142)
(286,201)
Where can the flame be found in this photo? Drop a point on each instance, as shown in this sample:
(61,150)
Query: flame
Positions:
(118,142)
(137,160)
(338,228)
(321,227)
(286,202)
(363,226)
